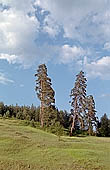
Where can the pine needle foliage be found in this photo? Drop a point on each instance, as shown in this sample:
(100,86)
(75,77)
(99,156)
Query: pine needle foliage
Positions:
(78,100)
(90,117)
(44,91)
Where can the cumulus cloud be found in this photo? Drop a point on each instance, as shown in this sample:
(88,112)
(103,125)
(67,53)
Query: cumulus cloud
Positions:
(4,79)
(51,26)
(99,68)
(85,23)
(77,16)
(10,58)
(69,54)
(24,6)
(18,32)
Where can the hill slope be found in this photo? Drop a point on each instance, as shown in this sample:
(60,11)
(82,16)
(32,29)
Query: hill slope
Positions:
(24,147)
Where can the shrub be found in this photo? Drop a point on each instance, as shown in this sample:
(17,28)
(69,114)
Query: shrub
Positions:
(32,123)
(7,114)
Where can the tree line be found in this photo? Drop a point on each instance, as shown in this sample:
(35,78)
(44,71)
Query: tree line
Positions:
(31,115)
(81,119)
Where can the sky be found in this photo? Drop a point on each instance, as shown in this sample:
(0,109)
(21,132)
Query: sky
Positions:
(66,35)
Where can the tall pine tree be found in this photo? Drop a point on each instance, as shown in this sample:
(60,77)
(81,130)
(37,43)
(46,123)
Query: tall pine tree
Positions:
(44,91)
(90,117)
(78,102)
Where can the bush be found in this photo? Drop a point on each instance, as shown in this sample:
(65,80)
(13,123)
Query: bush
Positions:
(32,123)
(26,122)
(56,129)
(7,114)
(19,115)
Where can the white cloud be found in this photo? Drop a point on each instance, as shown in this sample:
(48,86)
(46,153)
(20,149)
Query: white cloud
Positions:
(51,26)
(69,54)
(79,19)
(24,6)
(10,58)
(85,22)
(4,79)
(99,68)
(18,32)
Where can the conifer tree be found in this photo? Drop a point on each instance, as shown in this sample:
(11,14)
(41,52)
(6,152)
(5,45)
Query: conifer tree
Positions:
(78,103)
(44,91)
(104,129)
(50,116)
(90,116)
(2,108)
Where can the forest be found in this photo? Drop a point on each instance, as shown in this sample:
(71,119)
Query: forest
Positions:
(82,119)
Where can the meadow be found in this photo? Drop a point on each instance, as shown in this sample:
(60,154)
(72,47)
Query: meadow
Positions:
(24,147)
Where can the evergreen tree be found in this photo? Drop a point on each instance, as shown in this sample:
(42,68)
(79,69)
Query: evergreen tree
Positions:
(26,113)
(44,91)
(37,114)
(78,103)
(59,130)
(90,117)
(2,108)
(63,118)
(19,115)
(16,109)
(104,129)
(50,116)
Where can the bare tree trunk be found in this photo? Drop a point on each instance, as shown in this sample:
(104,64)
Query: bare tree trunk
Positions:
(90,128)
(82,123)
(73,123)
(89,131)
(41,114)
(74,117)
(42,106)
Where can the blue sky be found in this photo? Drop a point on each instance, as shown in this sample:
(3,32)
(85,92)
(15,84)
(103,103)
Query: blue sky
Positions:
(68,36)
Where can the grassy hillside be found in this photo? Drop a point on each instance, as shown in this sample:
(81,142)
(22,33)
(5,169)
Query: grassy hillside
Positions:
(24,147)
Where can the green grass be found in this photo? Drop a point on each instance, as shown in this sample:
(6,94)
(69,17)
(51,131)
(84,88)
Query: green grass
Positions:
(23,147)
